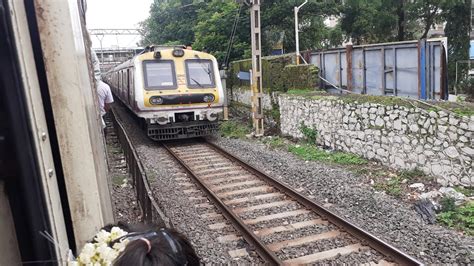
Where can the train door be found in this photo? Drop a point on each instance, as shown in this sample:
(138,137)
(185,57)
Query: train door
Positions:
(127,85)
(119,82)
(131,99)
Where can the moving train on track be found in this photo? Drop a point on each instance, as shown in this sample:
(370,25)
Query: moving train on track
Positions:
(175,92)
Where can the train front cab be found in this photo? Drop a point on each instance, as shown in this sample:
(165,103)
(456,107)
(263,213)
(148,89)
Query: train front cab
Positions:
(177,92)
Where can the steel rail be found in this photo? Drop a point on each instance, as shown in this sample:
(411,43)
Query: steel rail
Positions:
(364,236)
(268,255)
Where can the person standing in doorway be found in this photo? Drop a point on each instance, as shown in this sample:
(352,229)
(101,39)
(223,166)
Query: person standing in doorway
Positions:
(104,94)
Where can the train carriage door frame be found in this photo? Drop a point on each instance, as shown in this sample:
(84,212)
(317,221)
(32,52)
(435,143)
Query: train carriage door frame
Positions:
(131,90)
(119,83)
(128,85)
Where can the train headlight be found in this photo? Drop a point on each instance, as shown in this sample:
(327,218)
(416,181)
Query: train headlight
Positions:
(178,52)
(209,98)
(156,100)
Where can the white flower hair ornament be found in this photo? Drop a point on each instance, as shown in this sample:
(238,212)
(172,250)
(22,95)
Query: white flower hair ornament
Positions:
(104,251)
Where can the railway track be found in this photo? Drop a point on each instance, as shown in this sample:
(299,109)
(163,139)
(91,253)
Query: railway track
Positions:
(282,225)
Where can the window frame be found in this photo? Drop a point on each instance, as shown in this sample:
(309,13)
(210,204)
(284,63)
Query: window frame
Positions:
(188,77)
(173,72)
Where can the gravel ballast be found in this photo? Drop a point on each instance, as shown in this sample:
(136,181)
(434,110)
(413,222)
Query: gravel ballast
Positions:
(165,177)
(346,194)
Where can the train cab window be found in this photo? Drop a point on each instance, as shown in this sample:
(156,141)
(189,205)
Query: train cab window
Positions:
(200,73)
(160,75)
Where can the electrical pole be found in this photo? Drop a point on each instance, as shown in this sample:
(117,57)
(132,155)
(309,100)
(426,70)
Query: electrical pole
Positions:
(257,92)
(256,73)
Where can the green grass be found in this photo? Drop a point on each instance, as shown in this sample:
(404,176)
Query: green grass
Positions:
(301,92)
(233,129)
(312,153)
(468,192)
(415,174)
(461,218)
(461,109)
(118,179)
(275,142)
(309,133)
(392,186)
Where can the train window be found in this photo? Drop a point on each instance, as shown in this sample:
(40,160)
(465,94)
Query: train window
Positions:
(200,73)
(160,75)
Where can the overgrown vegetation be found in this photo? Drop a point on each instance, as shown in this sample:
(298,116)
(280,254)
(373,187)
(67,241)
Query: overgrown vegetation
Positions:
(301,92)
(468,192)
(391,185)
(415,174)
(461,218)
(311,153)
(233,129)
(275,142)
(309,133)
(119,179)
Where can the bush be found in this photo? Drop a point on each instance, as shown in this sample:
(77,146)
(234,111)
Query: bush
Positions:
(309,133)
(466,86)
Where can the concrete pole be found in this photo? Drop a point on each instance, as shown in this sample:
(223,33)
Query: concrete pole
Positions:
(297,37)
(297,30)
(257,92)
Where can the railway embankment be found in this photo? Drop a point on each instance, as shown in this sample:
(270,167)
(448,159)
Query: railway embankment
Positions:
(349,194)
(399,133)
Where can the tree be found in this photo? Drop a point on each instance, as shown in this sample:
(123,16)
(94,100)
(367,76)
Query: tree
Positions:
(457,16)
(278,22)
(368,21)
(428,12)
(214,29)
(170,21)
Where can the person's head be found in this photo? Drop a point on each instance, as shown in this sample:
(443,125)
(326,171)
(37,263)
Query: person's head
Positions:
(152,247)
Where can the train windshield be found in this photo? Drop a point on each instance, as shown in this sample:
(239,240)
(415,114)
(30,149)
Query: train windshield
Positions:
(160,75)
(200,73)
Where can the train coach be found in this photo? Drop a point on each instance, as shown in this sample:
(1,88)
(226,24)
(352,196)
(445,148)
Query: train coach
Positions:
(175,92)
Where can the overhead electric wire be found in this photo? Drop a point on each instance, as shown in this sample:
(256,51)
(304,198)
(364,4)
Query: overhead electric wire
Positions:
(231,39)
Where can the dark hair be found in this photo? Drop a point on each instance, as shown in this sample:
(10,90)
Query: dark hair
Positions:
(151,246)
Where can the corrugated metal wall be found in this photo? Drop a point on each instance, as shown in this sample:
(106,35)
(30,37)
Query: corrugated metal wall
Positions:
(415,69)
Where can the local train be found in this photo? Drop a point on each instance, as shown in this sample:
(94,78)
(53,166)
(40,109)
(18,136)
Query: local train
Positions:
(175,92)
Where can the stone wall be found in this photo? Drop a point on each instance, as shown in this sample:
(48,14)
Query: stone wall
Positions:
(243,95)
(404,137)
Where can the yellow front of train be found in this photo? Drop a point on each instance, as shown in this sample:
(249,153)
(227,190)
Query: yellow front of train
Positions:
(178,92)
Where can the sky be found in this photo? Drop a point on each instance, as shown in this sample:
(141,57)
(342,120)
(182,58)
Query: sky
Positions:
(116,14)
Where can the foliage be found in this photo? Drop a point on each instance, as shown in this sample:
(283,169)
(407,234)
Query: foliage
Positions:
(300,92)
(309,133)
(468,192)
(447,204)
(459,218)
(213,29)
(392,186)
(233,129)
(312,153)
(275,142)
(207,25)
(457,17)
(278,24)
(415,174)
(466,86)
(170,21)
(368,21)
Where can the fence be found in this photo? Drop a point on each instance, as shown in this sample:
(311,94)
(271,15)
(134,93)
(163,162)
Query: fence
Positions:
(415,69)
(148,206)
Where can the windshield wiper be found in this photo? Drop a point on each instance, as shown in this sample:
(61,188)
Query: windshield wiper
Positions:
(199,84)
(205,67)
